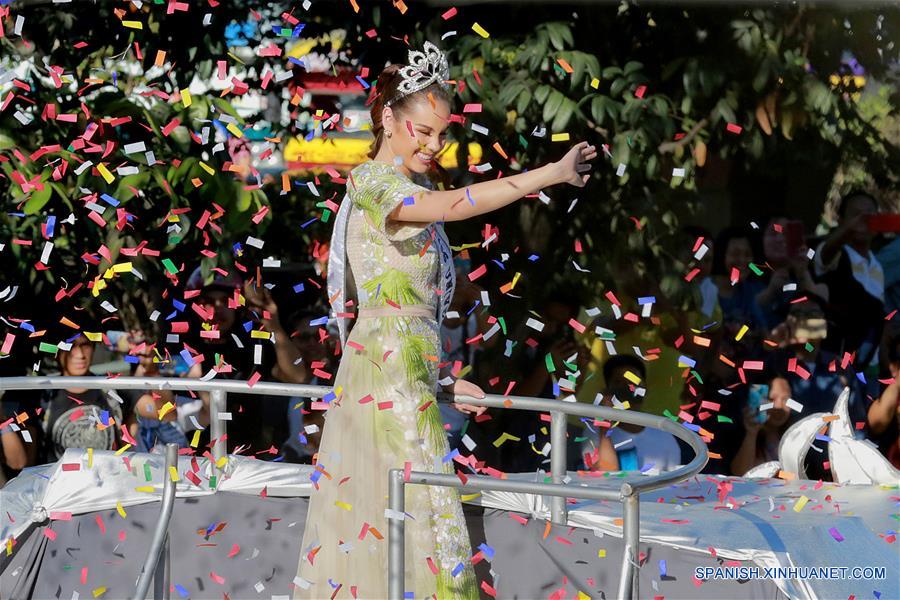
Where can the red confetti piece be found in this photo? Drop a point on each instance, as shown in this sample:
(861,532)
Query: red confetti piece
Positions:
(449,14)
(217,578)
(733,128)
(639,93)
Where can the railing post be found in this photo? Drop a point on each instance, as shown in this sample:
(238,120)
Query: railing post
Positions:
(396,531)
(161,531)
(558,465)
(631,535)
(163,574)
(217,426)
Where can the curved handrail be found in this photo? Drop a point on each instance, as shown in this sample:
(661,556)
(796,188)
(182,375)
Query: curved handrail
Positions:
(629,492)
(161,530)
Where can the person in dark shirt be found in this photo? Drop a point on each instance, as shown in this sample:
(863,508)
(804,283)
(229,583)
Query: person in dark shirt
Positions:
(77,417)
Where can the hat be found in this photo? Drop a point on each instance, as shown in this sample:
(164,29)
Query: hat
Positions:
(213,280)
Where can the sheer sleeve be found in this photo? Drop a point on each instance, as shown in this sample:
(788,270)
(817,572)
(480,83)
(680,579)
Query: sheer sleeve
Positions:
(378,192)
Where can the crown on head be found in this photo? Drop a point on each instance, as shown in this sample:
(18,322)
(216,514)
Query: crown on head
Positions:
(424,68)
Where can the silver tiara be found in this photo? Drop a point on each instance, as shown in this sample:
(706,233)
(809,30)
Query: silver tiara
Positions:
(424,68)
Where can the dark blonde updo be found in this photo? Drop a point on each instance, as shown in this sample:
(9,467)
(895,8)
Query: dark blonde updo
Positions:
(384,90)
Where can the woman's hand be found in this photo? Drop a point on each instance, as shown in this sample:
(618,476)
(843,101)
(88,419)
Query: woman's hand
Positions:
(461,387)
(571,166)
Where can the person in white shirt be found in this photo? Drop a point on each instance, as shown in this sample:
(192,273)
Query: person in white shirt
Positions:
(630,447)
(855,279)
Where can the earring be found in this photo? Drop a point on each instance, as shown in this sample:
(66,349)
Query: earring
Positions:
(389,134)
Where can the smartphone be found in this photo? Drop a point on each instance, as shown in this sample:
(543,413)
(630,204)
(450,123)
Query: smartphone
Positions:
(794,237)
(757,396)
(884,223)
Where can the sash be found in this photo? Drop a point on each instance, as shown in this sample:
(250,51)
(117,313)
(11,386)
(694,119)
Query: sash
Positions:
(338,270)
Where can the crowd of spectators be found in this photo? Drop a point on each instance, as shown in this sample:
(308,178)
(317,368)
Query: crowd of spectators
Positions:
(777,324)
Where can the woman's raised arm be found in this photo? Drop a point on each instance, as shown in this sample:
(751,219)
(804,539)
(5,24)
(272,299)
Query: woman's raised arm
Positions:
(487,196)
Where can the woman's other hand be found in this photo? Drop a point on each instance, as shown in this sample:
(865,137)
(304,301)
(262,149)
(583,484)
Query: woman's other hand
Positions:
(461,387)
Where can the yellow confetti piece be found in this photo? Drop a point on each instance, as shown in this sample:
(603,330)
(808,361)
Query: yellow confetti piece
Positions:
(632,377)
(559,137)
(94,337)
(467,497)
(104,172)
(601,553)
(583,596)
(133,24)
(196,439)
(125,267)
(222,461)
(186,97)
(90,457)
(173,474)
(480,30)
(145,488)
(740,334)
(166,408)
(800,503)
(9,546)
(123,449)
(207,168)
(595,83)
(264,335)
(343,505)
(99,591)
(121,509)
(235,130)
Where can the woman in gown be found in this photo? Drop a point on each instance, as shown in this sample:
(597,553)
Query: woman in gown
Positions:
(390,261)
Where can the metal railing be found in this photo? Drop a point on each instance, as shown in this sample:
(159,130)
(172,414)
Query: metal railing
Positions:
(558,491)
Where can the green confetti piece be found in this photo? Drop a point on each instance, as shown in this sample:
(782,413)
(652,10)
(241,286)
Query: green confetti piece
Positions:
(523,141)
(462,432)
(755,269)
(669,414)
(697,375)
(502,324)
(548,360)
(578,439)
(809,347)
(170,266)
(723,419)
(147,475)
(326,215)
(212,482)
(48,348)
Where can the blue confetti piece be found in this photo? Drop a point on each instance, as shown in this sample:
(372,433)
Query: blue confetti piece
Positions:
(409,201)
(469,196)
(329,397)
(187,357)
(861,377)
(181,591)
(109,200)
(450,455)
(457,569)
(132,359)
(319,321)
(363,82)
(647,300)
(179,306)
(104,417)
(51,225)
(498,263)
(534,257)
(248,326)
(299,288)
(299,28)
(315,476)
(662,568)
(308,223)
(27,327)
(692,427)
(172,315)
(822,437)
(687,361)
(647,467)
(411,595)
(488,551)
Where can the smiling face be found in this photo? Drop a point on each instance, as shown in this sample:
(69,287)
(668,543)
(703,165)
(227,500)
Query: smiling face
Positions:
(738,254)
(415,133)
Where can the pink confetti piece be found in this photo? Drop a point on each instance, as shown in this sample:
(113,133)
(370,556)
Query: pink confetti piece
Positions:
(217,578)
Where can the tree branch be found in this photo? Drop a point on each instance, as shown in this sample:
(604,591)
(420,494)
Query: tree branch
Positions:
(667,147)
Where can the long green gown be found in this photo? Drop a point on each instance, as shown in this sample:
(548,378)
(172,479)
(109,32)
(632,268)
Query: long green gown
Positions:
(384,416)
